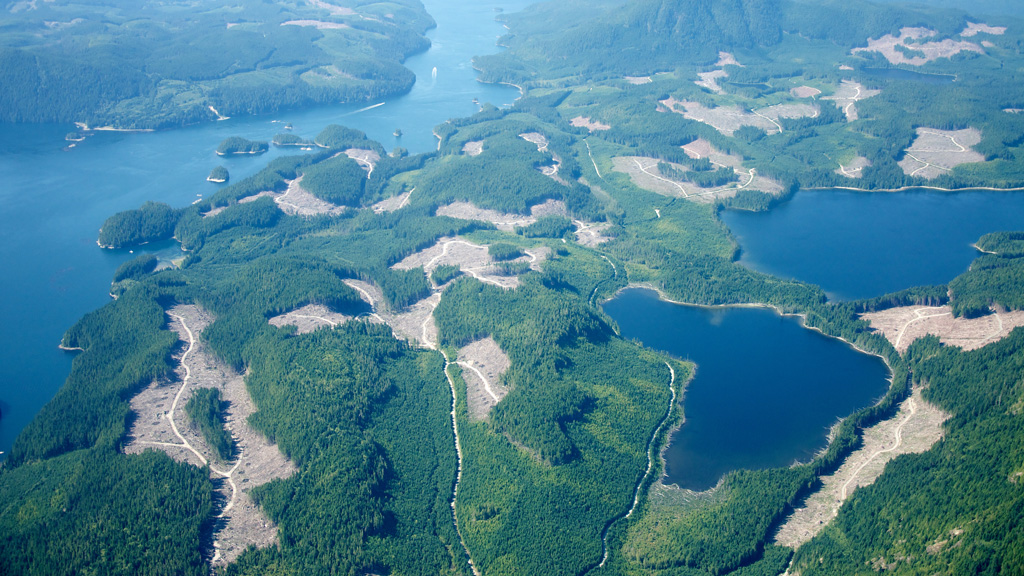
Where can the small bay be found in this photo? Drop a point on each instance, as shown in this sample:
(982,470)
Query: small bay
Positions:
(766,389)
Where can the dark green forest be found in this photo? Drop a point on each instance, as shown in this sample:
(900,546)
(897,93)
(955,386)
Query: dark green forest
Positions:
(396,471)
(143,65)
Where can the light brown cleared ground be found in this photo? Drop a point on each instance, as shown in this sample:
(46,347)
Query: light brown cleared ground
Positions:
(901,326)
(473,147)
(848,94)
(909,38)
(727,59)
(536,138)
(915,428)
(472,258)
(392,204)
(483,362)
(804,92)
(296,200)
(638,80)
(416,322)
(590,234)
(586,122)
(215,211)
(255,197)
(318,24)
(240,523)
(644,173)
(333,9)
(468,211)
(709,80)
(936,152)
(309,318)
(501,220)
(729,119)
(975,28)
(854,168)
(366,158)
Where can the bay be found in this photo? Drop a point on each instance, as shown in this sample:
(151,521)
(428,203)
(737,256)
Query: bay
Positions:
(54,201)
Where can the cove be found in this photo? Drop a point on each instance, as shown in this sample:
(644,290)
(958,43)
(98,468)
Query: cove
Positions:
(860,245)
(54,201)
(766,389)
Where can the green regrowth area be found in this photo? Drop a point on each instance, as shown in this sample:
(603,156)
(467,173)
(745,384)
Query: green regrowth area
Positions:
(206,411)
(445,273)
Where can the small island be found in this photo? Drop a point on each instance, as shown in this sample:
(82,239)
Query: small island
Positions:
(282,140)
(237,145)
(218,175)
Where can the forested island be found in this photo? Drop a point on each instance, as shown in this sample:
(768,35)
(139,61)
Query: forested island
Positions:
(411,352)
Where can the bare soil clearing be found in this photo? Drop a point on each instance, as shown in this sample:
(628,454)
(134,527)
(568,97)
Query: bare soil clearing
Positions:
(392,204)
(729,119)
(503,221)
(936,152)
(318,24)
(854,168)
(910,40)
(915,428)
(709,80)
(162,424)
(333,9)
(901,326)
(638,80)
(644,173)
(473,147)
(804,92)
(848,94)
(472,258)
(309,318)
(540,140)
(215,211)
(296,200)
(483,362)
(366,158)
(974,28)
(590,234)
(586,122)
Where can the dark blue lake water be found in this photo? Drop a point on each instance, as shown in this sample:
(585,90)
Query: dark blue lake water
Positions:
(766,389)
(860,245)
(54,202)
(901,74)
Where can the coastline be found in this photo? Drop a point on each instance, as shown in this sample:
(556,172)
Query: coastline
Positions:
(803,317)
(70,348)
(908,188)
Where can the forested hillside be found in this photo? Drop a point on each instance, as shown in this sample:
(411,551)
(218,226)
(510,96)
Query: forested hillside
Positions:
(426,347)
(152,65)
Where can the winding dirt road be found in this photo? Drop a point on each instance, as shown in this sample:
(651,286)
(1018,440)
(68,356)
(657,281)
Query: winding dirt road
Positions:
(647,472)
